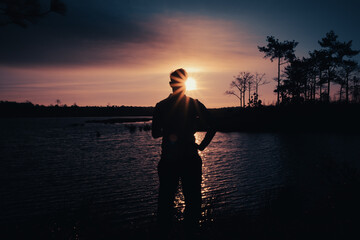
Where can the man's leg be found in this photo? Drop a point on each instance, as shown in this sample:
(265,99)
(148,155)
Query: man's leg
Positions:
(191,185)
(169,181)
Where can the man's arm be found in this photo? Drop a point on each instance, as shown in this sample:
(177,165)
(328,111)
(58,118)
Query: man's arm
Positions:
(156,129)
(208,120)
(207,139)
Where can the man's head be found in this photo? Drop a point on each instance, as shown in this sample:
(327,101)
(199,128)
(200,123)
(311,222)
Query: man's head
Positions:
(177,80)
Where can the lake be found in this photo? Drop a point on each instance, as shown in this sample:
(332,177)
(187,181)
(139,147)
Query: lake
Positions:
(55,168)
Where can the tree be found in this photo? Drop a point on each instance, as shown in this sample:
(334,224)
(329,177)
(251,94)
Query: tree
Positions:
(295,83)
(311,76)
(329,44)
(346,65)
(21,12)
(235,84)
(240,82)
(356,88)
(246,78)
(255,101)
(349,67)
(318,62)
(259,80)
(282,51)
(338,55)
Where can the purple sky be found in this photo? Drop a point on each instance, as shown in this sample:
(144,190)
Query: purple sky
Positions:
(121,52)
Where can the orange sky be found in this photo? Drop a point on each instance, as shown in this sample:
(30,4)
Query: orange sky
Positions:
(121,52)
(136,73)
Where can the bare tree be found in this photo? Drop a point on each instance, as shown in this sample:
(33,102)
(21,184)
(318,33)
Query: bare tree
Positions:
(259,80)
(238,85)
(241,83)
(249,90)
(246,78)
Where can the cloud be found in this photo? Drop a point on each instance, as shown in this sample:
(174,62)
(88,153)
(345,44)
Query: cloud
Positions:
(135,33)
(133,43)
(85,36)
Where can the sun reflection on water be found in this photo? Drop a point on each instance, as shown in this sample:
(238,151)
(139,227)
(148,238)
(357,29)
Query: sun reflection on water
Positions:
(207,199)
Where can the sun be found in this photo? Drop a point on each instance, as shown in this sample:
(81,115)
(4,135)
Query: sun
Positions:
(190,84)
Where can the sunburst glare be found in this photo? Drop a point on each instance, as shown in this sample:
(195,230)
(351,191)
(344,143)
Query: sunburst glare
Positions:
(190,84)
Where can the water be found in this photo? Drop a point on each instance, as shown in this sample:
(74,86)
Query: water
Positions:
(59,166)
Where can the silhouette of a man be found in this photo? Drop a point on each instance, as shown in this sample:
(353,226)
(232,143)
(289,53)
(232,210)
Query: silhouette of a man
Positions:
(176,119)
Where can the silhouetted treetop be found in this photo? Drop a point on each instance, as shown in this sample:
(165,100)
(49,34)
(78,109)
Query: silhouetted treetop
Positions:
(329,41)
(336,49)
(284,52)
(275,49)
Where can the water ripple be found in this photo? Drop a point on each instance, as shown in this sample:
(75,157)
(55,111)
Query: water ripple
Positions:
(48,167)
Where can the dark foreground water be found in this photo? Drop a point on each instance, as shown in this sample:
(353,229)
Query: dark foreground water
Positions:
(58,168)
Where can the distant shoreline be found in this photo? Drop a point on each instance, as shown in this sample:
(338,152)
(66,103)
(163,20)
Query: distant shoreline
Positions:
(121,120)
(306,117)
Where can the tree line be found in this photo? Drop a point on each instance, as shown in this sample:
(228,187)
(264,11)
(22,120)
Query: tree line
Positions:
(308,78)
(28,109)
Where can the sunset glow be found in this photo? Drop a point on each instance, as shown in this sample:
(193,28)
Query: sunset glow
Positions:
(190,84)
(130,65)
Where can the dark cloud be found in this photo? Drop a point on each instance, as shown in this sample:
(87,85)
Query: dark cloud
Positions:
(93,29)
(84,36)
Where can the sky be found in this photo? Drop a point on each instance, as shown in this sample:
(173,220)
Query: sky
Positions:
(122,52)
